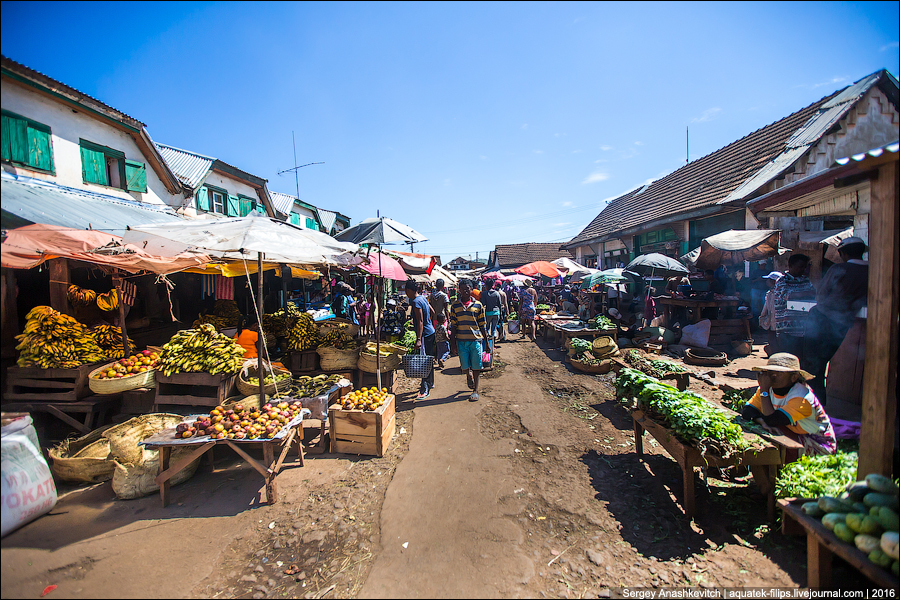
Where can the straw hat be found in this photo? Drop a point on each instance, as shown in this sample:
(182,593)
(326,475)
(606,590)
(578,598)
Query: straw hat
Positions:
(782,361)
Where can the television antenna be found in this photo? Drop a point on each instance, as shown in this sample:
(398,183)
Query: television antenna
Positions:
(296,168)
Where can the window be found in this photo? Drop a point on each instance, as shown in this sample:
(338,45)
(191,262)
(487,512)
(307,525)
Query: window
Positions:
(295,219)
(105,166)
(218,202)
(26,142)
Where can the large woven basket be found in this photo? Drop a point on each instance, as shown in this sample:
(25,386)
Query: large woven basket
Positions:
(147,379)
(248,402)
(124,439)
(705,358)
(348,327)
(271,389)
(603,367)
(367,362)
(333,359)
(83,460)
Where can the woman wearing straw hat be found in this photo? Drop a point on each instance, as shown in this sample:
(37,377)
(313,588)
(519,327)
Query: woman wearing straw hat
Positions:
(784,402)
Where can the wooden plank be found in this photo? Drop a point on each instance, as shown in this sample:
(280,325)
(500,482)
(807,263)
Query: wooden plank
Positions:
(169,473)
(879,404)
(355,445)
(269,462)
(48,397)
(818,564)
(250,460)
(384,441)
(67,419)
(165,452)
(43,383)
(59,285)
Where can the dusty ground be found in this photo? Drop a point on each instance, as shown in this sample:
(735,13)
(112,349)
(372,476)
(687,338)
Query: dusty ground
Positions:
(535,491)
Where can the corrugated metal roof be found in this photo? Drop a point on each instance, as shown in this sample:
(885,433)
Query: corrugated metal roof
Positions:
(283,203)
(36,201)
(327,218)
(189,167)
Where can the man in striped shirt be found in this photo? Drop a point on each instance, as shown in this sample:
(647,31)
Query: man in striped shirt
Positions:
(468,325)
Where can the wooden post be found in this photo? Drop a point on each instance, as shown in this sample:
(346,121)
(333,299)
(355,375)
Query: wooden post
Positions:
(117,281)
(59,285)
(879,403)
(259,341)
(9,316)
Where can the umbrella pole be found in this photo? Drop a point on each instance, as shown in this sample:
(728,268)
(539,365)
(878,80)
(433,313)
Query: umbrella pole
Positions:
(259,340)
(118,283)
(378,337)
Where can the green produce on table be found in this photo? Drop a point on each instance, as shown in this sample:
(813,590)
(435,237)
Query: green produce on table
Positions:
(579,345)
(816,476)
(543,307)
(691,417)
(408,341)
(655,368)
(600,322)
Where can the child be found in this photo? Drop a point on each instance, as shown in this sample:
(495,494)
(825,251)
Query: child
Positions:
(441,340)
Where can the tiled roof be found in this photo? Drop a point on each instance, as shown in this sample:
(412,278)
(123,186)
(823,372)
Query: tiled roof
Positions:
(699,184)
(516,255)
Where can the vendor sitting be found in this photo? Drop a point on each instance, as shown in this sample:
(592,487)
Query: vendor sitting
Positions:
(247,336)
(784,403)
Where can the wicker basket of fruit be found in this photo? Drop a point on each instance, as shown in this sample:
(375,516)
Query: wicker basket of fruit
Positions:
(276,381)
(130,373)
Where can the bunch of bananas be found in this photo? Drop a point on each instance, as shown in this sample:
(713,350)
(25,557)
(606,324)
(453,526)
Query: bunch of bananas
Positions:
(52,340)
(80,297)
(228,309)
(200,350)
(109,338)
(306,386)
(338,339)
(215,320)
(279,323)
(109,301)
(304,335)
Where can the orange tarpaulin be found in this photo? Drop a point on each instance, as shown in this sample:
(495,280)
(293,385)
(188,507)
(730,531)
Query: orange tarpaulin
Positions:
(29,246)
(540,267)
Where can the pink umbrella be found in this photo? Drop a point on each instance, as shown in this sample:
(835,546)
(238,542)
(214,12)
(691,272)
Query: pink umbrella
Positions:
(493,275)
(519,278)
(384,266)
(540,267)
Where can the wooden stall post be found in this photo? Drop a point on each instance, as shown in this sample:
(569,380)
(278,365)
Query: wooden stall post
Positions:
(879,403)
(117,281)
(59,285)
(259,342)
(9,322)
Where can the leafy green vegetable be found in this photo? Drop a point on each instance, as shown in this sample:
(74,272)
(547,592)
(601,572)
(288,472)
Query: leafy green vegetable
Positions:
(691,417)
(541,307)
(409,341)
(655,368)
(816,476)
(579,345)
(600,322)
(734,400)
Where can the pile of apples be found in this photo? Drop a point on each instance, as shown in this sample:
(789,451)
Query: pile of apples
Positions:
(240,423)
(132,365)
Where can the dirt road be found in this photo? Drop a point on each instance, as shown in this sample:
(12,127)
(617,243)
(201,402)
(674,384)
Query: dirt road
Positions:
(533,491)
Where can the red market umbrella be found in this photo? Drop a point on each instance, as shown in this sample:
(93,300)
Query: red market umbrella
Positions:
(495,275)
(540,267)
(382,265)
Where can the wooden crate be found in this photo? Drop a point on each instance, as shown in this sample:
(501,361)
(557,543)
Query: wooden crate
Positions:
(365,380)
(301,362)
(194,389)
(50,385)
(362,432)
(139,401)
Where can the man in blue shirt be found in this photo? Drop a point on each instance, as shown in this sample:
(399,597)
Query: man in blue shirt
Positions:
(421,314)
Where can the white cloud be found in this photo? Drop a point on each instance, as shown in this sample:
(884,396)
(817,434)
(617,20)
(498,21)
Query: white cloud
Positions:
(606,148)
(483,157)
(560,224)
(538,151)
(600,160)
(567,204)
(708,115)
(575,151)
(893,45)
(833,81)
(638,143)
(595,178)
(524,126)
(446,182)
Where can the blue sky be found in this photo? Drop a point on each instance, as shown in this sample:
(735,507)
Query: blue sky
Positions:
(476,123)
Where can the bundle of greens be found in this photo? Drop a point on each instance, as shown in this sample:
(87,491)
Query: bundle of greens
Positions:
(655,367)
(408,341)
(817,476)
(543,308)
(600,322)
(690,417)
(579,345)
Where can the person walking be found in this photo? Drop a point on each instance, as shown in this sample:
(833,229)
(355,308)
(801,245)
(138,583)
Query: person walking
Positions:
(492,302)
(790,324)
(362,316)
(504,311)
(527,311)
(767,316)
(439,301)
(469,329)
(340,305)
(842,292)
(441,340)
(424,328)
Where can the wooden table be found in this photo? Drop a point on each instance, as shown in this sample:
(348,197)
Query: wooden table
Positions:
(822,545)
(567,334)
(94,409)
(543,322)
(763,463)
(694,305)
(269,468)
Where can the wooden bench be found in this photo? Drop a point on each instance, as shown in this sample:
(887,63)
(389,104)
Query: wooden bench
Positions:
(94,409)
(822,545)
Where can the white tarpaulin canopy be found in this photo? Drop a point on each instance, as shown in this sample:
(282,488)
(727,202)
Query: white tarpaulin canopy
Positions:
(735,246)
(829,238)
(573,270)
(245,237)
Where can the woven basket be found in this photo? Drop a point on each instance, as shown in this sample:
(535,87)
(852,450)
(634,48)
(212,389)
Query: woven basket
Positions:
(326,327)
(603,367)
(147,379)
(251,401)
(83,460)
(333,359)
(705,358)
(124,438)
(367,362)
(271,389)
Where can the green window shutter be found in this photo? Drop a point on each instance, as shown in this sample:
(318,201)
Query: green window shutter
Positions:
(232,206)
(93,166)
(5,152)
(311,224)
(295,219)
(203,199)
(260,208)
(246,207)
(135,176)
(40,152)
(15,139)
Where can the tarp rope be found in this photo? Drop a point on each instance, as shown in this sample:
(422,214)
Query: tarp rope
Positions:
(259,320)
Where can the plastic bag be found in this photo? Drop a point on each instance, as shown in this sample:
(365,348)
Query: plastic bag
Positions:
(696,335)
(28,490)
(513,326)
